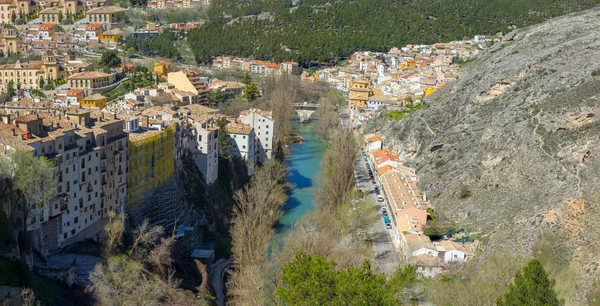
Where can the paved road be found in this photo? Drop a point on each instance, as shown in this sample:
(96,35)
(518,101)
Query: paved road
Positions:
(387,259)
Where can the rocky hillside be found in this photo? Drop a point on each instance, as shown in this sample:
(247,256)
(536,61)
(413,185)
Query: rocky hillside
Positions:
(511,150)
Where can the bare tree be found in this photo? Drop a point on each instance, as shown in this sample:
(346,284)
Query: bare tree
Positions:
(257,210)
(336,177)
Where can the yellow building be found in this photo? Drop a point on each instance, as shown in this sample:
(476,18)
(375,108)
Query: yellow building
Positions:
(104,14)
(9,42)
(7,9)
(90,79)
(151,162)
(28,75)
(97,100)
(429,91)
(360,91)
(162,68)
(110,35)
(189,82)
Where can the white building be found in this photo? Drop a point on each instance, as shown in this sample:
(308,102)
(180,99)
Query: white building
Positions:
(203,143)
(242,142)
(453,252)
(264,127)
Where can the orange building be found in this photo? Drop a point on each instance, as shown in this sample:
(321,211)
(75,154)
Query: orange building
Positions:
(360,91)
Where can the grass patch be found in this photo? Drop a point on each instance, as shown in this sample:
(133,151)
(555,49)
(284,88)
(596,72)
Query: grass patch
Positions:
(118,91)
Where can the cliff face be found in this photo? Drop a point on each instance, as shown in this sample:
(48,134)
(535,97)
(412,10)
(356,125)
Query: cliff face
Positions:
(512,149)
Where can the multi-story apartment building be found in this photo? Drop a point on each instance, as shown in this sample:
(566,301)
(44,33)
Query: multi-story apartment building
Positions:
(90,79)
(241,137)
(203,144)
(264,126)
(104,14)
(289,67)
(28,75)
(189,82)
(90,158)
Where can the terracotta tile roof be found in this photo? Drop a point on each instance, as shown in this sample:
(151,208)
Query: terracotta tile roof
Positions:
(93,27)
(47,27)
(74,92)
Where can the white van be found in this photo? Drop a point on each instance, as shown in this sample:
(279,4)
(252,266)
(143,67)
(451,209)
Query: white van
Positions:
(379,198)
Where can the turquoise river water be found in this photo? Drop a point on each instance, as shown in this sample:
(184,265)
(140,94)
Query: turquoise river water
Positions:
(304,161)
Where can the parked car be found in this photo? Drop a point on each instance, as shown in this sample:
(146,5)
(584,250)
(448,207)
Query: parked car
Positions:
(383,209)
(373,182)
(371,177)
(388,226)
(379,198)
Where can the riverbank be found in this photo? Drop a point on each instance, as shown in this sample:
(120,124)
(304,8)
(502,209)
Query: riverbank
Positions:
(295,138)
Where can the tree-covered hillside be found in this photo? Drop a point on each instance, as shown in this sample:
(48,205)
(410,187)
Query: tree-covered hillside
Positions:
(320,32)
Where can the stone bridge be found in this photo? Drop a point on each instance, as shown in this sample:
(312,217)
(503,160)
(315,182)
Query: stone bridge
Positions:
(305,110)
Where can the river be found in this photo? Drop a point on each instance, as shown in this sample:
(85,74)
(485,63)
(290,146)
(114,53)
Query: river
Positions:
(304,161)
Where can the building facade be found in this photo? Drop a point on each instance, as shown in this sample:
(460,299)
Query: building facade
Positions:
(264,127)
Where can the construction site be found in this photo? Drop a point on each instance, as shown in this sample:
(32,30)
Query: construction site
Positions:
(155,192)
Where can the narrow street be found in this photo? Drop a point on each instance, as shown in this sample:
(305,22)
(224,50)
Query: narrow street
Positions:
(386,258)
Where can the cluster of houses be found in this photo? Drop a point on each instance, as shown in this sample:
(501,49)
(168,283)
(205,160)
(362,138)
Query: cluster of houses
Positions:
(176,4)
(255,66)
(407,73)
(44,34)
(409,212)
(98,167)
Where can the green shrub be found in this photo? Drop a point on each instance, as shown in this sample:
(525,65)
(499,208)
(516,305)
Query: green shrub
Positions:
(595,73)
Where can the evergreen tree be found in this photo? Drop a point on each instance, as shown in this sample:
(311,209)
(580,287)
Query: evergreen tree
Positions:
(224,143)
(312,280)
(250,92)
(531,287)
(10,89)
(247,80)
(109,59)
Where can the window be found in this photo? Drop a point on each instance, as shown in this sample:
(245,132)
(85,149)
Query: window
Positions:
(76,220)
(243,147)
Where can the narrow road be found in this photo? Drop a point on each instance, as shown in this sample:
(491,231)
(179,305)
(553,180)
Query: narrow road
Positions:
(387,259)
(216,276)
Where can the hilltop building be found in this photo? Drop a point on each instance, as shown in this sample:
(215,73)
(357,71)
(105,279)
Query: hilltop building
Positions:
(91,159)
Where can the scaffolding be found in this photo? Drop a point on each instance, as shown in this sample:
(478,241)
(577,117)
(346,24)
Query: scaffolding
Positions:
(151,163)
(152,192)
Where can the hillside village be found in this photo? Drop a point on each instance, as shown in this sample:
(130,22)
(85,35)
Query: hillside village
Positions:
(118,133)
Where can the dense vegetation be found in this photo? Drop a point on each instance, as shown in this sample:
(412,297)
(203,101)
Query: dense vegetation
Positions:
(319,32)
(155,45)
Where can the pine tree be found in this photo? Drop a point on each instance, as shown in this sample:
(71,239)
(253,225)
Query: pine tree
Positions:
(250,92)
(531,287)
(247,80)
